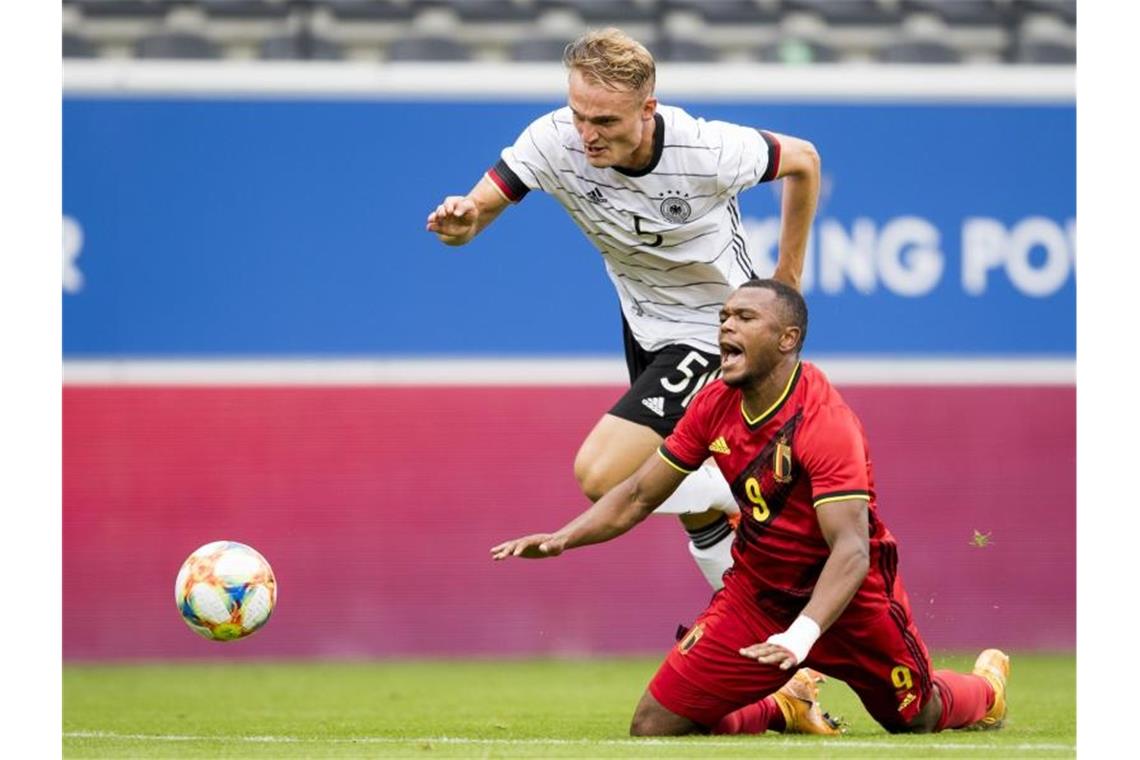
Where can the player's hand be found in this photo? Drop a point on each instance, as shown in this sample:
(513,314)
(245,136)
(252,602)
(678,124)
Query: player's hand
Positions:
(455,221)
(768,653)
(534,546)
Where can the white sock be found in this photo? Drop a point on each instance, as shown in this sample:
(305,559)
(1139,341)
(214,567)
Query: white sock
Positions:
(711,548)
(701,491)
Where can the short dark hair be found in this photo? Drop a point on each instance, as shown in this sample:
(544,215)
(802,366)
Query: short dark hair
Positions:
(792,301)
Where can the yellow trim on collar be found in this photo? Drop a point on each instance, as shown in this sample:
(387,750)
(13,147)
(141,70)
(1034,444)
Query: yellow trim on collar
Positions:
(783,397)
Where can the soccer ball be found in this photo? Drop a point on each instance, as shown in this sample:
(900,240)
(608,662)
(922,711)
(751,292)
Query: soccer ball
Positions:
(225,591)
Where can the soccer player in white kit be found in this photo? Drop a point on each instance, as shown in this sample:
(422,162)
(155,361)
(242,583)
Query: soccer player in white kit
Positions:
(655,190)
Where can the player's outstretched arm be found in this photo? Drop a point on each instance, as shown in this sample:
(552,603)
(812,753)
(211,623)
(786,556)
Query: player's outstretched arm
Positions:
(844,526)
(799,168)
(623,506)
(460,218)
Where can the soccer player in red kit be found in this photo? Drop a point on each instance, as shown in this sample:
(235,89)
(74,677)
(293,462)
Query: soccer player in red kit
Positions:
(815,578)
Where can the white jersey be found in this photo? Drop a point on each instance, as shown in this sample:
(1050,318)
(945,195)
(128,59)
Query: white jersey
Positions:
(670,234)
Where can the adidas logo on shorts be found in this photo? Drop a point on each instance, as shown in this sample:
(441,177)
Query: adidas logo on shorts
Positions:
(655,404)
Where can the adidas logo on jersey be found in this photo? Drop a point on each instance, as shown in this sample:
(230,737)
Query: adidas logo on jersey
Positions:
(655,404)
(719,446)
(596,196)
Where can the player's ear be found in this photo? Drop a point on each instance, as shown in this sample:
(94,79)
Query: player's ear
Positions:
(649,108)
(789,339)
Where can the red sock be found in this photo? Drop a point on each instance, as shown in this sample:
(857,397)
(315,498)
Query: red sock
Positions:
(756,718)
(965,698)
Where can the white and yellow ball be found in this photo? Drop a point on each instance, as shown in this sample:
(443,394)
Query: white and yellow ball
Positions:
(225,591)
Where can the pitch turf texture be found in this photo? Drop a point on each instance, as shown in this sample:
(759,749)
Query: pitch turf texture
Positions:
(538,708)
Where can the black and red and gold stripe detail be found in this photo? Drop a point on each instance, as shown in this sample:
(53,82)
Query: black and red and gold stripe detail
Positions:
(762,469)
(773,167)
(509,184)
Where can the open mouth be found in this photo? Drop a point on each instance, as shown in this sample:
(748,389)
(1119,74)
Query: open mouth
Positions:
(730,353)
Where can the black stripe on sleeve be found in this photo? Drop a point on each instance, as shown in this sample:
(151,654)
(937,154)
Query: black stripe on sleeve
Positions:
(676,461)
(509,182)
(773,156)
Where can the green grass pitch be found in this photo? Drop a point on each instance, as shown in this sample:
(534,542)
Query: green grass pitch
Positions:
(487,708)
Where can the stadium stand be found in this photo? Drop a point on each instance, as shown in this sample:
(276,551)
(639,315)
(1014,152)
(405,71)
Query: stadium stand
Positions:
(176,45)
(299,47)
(778,31)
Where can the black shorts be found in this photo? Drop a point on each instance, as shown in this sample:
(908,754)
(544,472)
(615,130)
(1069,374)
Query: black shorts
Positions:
(662,383)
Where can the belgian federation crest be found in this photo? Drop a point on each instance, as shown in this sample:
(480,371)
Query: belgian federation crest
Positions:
(675,209)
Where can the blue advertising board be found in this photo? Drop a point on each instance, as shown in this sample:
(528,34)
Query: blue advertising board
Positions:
(229,227)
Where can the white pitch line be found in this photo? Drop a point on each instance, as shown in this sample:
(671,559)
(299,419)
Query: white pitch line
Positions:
(537,371)
(459,740)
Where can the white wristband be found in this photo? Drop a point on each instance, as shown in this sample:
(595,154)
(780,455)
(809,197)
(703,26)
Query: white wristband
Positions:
(799,637)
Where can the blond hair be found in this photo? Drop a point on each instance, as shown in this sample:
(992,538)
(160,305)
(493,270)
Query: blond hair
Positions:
(613,59)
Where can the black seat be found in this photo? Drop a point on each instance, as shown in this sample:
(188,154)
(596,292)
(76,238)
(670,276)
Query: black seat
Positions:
(602,12)
(846,12)
(724,11)
(296,47)
(481,11)
(131,9)
(679,50)
(428,49)
(75,46)
(538,49)
(1046,52)
(370,10)
(176,45)
(245,9)
(963,12)
(921,51)
(1063,9)
(795,51)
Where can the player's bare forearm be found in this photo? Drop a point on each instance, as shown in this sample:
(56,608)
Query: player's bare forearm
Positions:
(844,525)
(841,577)
(618,511)
(800,171)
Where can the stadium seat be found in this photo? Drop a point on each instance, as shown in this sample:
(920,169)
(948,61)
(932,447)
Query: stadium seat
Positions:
(724,11)
(963,12)
(794,51)
(847,12)
(245,9)
(538,49)
(75,46)
(483,11)
(918,51)
(603,12)
(683,51)
(428,49)
(369,10)
(176,45)
(131,9)
(299,47)
(1046,52)
(1066,10)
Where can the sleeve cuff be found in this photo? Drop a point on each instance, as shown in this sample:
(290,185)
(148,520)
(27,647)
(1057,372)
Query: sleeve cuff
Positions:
(773,167)
(676,462)
(840,496)
(509,184)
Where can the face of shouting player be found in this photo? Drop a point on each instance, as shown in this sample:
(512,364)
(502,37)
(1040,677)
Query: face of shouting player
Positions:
(616,127)
(755,336)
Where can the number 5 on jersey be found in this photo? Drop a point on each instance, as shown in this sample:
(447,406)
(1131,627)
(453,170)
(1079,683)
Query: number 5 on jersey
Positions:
(688,375)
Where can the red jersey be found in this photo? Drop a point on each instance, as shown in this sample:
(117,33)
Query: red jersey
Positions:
(806,450)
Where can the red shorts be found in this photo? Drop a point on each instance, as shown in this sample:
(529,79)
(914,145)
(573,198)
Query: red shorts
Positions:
(876,650)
